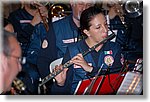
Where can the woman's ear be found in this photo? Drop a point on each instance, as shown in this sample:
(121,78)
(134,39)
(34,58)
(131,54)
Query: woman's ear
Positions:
(86,32)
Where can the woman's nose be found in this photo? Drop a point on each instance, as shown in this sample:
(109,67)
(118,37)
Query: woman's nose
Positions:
(105,28)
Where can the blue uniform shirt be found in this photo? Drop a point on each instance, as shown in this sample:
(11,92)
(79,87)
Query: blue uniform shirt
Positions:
(62,33)
(30,37)
(66,33)
(110,52)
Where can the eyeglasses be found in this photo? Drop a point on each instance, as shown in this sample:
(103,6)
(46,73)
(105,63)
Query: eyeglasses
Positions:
(22,60)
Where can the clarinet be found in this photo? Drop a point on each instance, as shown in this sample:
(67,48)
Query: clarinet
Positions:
(45,22)
(68,63)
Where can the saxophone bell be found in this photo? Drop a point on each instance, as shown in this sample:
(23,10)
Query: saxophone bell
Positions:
(17,87)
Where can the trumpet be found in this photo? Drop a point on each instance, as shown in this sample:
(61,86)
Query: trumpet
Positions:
(134,8)
(68,63)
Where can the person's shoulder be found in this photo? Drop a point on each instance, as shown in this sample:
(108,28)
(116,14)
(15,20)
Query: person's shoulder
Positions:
(114,44)
(17,11)
(72,45)
(75,45)
(62,21)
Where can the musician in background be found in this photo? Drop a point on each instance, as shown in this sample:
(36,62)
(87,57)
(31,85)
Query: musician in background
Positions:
(115,14)
(10,56)
(106,56)
(27,23)
(129,30)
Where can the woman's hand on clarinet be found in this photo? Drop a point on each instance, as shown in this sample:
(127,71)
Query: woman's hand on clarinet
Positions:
(79,60)
(61,77)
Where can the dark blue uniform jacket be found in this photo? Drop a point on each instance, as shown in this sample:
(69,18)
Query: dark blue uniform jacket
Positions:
(110,52)
(30,37)
(63,33)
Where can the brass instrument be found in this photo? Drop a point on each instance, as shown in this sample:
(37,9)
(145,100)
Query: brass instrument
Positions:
(133,8)
(68,63)
(17,87)
(58,11)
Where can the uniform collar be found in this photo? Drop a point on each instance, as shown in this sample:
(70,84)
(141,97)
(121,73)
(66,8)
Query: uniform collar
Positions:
(26,13)
(72,23)
(85,47)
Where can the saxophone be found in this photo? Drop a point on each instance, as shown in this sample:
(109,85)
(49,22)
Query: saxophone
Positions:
(17,87)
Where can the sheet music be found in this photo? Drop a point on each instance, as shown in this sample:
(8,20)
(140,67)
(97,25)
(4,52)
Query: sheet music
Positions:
(132,84)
